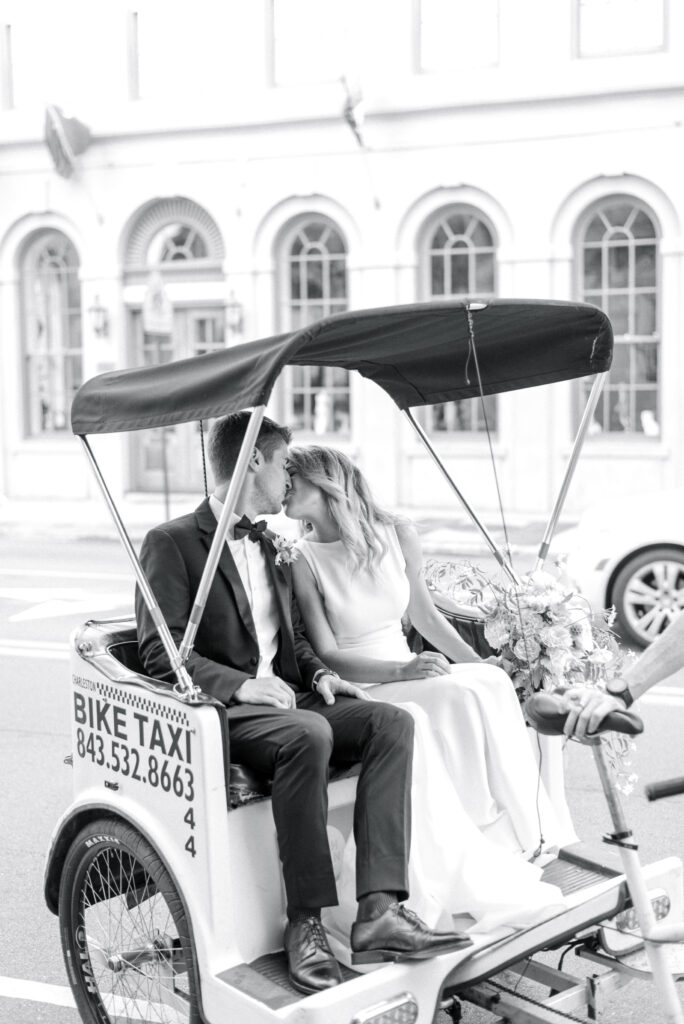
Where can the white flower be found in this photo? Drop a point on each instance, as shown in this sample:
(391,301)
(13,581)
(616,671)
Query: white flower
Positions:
(286,550)
(527,649)
(496,633)
(556,636)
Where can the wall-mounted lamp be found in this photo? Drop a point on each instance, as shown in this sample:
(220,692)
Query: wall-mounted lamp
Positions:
(99,318)
(234,315)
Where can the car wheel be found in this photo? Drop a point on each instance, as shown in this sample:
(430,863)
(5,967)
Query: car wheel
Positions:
(649,593)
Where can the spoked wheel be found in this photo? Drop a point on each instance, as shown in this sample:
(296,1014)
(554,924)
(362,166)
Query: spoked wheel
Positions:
(125,936)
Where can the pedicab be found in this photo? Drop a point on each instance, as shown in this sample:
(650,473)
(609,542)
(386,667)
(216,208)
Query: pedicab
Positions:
(164,870)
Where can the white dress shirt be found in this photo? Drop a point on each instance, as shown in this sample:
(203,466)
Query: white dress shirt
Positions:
(250,558)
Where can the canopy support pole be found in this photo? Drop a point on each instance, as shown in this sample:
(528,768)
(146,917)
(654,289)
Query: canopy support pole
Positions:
(184,685)
(234,488)
(592,402)
(498,555)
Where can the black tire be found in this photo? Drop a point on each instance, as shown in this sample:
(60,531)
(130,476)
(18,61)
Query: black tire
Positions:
(125,937)
(648,593)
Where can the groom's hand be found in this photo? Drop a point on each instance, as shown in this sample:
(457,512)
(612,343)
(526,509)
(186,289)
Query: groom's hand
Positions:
(329,686)
(266,690)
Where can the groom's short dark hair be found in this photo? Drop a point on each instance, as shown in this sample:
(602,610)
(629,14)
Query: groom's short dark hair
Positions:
(226,437)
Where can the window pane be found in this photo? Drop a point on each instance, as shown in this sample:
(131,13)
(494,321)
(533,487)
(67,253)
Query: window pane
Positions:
(440,238)
(645,321)
(645,363)
(480,234)
(458,223)
(295,279)
(592,268)
(314,280)
(645,270)
(436,275)
(617,214)
(596,229)
(619,371)
(338,279)
(618,307)
(484,273)
(646,407)
(642,226)
(618,266)
(459,275)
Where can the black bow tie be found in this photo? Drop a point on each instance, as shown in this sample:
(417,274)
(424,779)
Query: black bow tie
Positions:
(255,531)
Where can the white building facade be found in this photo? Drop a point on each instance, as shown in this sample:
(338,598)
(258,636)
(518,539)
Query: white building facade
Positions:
(519,150)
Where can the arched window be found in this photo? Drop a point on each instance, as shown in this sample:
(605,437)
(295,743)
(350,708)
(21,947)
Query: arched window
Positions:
(53,347)
(459,261)
(315,279)
(618,271)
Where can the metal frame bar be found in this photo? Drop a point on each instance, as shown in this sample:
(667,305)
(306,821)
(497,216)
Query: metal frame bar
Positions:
(498,554)
(185,685)
(654,935)
(592,401)
(236,482)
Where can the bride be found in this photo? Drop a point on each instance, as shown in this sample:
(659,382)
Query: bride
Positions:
(480,811)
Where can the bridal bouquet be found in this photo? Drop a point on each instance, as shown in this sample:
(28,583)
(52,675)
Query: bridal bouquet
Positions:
(547,634)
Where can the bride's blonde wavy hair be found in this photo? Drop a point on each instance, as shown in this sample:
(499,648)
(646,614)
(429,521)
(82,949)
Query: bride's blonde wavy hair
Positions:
(349,502)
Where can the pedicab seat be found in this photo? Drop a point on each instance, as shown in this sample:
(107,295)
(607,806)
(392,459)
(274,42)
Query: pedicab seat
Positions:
(119,640)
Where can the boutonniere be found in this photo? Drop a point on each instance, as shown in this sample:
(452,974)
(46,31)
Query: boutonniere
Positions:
(286,550)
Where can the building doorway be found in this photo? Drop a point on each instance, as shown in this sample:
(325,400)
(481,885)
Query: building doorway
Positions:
(171,457)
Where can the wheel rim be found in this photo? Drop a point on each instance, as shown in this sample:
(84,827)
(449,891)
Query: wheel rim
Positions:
(654,597)
(131,954)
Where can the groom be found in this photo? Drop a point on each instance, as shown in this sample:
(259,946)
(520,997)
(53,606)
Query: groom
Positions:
(288,714)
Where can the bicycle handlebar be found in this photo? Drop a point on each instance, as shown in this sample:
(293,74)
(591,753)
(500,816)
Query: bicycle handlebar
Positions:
(668,787)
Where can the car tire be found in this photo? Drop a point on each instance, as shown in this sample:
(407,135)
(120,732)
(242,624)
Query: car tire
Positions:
(648,593)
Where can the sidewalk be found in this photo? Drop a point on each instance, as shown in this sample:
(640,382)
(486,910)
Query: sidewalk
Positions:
(441,532)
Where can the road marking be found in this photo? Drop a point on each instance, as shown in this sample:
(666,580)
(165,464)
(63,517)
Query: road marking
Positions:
(55,602)
(33,649)
(65,574)
(36,991)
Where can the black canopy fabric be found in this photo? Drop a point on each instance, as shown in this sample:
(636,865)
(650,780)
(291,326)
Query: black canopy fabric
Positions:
(419,354)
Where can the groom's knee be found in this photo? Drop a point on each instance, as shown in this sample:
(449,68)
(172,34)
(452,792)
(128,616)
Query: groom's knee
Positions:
(394,725)
(310,739)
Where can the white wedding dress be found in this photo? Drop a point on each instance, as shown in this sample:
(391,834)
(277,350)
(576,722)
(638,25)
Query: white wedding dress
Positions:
(479,806)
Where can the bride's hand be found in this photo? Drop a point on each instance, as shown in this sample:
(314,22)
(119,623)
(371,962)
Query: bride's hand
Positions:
(429,663)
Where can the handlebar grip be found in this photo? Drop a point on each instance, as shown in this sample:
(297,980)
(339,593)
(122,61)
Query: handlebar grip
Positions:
(547,712)
(669,787)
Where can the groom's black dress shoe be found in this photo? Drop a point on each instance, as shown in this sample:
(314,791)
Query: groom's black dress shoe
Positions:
(399,934)
(311,964)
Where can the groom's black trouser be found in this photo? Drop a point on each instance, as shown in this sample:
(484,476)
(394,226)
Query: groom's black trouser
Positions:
(296,748)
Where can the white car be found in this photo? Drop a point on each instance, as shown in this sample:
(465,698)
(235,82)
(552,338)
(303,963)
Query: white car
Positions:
(629,552)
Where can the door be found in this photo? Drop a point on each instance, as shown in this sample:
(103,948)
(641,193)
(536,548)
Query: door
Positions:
(170,458)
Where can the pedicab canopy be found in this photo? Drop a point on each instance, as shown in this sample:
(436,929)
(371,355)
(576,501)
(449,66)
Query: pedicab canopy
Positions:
(419,354)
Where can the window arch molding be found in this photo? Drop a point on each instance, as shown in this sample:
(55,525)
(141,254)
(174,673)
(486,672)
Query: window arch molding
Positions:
(149,242)
(427,209)
(588,195)
(425,239)
(271,232)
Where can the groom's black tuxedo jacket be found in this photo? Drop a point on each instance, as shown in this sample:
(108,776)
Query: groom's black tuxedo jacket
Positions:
(226,651)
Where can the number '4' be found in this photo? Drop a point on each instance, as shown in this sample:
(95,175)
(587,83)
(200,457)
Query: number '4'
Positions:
(190,846)
(189,818)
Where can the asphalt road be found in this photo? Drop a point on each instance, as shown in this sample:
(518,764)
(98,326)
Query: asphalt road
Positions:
(47,588)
